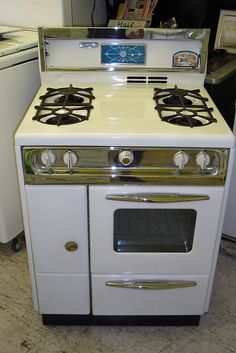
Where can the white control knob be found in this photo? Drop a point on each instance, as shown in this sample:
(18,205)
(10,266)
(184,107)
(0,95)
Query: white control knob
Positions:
(126,157)
(202,159)
(48,157)
(181,159)
(70,159)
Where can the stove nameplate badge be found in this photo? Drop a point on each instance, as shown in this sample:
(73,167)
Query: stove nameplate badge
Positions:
(123,54)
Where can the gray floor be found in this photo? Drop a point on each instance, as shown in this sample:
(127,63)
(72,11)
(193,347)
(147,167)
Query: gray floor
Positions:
(21,329)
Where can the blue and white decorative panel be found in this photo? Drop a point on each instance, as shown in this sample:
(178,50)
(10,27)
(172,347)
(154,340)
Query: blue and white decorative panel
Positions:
(123,54)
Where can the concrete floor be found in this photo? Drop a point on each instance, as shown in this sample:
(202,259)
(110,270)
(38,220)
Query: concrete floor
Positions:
(21,329)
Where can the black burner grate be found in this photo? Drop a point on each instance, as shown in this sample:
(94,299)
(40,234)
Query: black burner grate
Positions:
(64,106)
(183,107)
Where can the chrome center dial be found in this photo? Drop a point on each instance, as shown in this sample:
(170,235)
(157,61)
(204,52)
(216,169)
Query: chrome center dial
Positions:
(126,157)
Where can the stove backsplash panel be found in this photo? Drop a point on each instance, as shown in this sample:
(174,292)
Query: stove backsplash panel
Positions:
(112,49)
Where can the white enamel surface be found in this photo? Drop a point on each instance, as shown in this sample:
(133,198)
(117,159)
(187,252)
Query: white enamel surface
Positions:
(123,301)
(24,39)
(230,216)
(58,215)
(26,227)
(197,261)
(112,77)
(63,294)
(54,216)
(20,82)
(18,57)
(124,115)
(8,29)
(18,44)
(18,47)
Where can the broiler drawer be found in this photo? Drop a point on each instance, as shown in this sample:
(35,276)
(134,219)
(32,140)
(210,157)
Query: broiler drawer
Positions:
(110,298)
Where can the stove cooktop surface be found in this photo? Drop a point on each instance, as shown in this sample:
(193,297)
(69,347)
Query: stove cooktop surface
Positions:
(120,114)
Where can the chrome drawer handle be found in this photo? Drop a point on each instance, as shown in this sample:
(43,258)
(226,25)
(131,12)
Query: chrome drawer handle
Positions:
(71,246)
(160,198)
(156,285)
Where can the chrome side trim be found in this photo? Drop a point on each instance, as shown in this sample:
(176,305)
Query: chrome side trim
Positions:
(151,285)
(157,198)
(42,49)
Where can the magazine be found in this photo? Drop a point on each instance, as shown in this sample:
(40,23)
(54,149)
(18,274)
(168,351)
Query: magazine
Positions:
(138,10)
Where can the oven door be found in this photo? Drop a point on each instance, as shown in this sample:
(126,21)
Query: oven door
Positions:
(151,248)
(153,229)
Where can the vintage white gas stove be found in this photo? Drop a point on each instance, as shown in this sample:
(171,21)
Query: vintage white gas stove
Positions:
(124,164)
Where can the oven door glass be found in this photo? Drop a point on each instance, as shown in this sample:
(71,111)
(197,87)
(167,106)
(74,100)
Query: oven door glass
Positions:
(154,230)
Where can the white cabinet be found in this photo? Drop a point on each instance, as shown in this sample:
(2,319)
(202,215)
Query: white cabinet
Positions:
(59,237)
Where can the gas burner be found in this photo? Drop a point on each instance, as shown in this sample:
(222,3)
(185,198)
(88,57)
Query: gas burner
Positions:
(71,99)
(183,107)
(185,121)
(64,106)
(175,100)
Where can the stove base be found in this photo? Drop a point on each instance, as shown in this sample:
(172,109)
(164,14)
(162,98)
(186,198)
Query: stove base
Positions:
(170,320)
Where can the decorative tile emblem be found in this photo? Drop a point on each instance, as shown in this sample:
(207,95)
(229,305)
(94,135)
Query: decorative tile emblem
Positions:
(123,54)
(186,59)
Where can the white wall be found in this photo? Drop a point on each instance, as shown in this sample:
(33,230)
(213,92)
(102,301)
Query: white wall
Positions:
(35,13)
(82,10)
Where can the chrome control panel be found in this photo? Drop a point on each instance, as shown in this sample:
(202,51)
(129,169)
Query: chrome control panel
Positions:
(108,165)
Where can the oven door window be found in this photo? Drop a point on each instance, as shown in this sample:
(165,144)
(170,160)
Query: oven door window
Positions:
(154,230)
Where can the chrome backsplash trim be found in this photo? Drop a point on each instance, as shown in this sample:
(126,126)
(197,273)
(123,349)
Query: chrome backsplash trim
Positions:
(91,33)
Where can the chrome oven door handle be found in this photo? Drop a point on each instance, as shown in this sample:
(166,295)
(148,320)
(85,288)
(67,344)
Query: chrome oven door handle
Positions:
(151,285)
(159,198)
